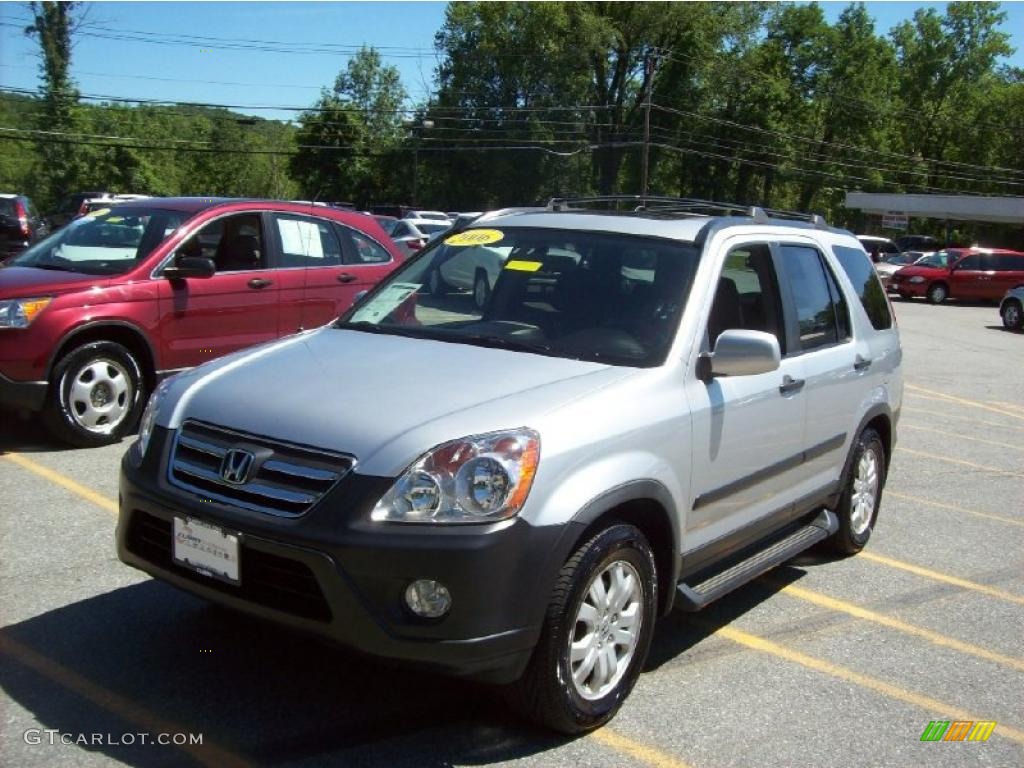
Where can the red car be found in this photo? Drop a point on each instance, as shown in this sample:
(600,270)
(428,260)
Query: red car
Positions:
(969,273)
(94,316)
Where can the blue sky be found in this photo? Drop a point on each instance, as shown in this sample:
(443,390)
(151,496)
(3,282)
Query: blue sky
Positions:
(194,72)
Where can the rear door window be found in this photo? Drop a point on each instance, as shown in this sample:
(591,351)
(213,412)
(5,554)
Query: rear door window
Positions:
(815,308)
(306,242)
(865,280)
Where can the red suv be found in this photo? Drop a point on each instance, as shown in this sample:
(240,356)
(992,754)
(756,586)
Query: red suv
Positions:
(92,317)
(970,273)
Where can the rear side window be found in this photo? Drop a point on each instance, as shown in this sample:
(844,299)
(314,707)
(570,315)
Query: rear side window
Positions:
(865,281)
(359,249)
(1011,264)
(816,311)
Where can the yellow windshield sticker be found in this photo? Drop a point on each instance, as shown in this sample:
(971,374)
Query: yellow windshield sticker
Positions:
(523,266)
(476,237)
(115,219)
(100,212)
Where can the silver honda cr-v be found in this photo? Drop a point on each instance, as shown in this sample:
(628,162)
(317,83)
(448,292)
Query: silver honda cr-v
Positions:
(650,409)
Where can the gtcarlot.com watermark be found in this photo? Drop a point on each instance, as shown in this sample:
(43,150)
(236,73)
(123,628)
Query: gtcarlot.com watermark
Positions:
(51,736)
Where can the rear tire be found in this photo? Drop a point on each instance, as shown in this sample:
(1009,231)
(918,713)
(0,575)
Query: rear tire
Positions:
(1013,316)
(436,284)
(95,395)
(937,293)
(595,638)
(857,509)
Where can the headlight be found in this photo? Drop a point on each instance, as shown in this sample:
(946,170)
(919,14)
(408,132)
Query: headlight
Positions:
(916,279)
(19,313)
(149,416)
(476,479)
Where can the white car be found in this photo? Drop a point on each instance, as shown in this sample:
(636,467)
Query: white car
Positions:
(476,269)
(413,234)
(431,215)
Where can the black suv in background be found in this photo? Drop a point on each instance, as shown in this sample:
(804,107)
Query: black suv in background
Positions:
(20,224)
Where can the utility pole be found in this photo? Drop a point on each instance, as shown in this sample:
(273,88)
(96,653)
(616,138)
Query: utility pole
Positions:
(650,62)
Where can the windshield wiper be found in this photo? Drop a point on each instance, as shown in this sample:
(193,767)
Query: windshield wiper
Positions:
(503,342)
(387,330)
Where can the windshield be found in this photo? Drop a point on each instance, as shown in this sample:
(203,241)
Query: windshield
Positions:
(938,259)
(600,297)
(109,241)
(898,258)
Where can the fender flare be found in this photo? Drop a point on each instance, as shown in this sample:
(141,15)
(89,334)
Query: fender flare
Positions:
(93,325)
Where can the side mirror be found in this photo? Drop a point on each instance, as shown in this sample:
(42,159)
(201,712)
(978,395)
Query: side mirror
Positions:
(189,266)
(740,353)
(359,297)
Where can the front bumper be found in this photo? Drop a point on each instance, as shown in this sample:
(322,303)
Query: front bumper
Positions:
(907,288)
(22,395)
(335,574)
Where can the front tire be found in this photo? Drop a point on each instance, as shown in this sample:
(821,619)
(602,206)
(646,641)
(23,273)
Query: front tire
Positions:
(596,634)
(937,293)
(862,494)
(95,395)
(1013,317)
(481,290)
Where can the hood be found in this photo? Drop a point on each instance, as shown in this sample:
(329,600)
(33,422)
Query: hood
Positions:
(916,269)
(18,282)
(384,399)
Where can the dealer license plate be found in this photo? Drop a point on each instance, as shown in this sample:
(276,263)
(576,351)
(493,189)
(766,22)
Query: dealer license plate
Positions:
(207,549)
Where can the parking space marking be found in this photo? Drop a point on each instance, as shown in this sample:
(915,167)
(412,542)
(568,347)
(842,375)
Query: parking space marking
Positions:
(961,462)
(952,507)
(126,709)
(944,578)
(64,482)
(758,643)
(1012,406)
(957,417)
(891,622)
(960,436)
(645,754)
(931,394)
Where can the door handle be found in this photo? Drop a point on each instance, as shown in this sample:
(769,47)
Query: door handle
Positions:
(861,363)
(259,282)
(345,277)
(789,384)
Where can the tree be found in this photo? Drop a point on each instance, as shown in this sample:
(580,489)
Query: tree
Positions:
(58,166)
(328,164)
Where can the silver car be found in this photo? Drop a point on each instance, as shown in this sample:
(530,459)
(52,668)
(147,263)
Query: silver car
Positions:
(651,409)
(1011,309)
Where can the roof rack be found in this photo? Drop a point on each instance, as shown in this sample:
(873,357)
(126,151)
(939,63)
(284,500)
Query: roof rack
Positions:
(686,205)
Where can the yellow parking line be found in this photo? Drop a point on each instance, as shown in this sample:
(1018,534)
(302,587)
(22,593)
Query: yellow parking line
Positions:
(963,401)
(959,436)
(955,581)
(857,611)
(126,709)
(957,417)
(961,462)
(1012,406)
(848,675)
(953,507)
(645,754)
(64,482)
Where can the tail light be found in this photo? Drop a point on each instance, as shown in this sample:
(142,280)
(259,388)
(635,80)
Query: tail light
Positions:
(416,244)
(22,214)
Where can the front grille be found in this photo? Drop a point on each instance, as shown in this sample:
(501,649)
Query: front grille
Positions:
(284,479)
(269,580)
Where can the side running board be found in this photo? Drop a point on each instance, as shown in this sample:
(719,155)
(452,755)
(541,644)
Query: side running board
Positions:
(736,574)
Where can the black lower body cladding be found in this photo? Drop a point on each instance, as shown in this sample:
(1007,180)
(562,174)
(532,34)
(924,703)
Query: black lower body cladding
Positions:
(335,574)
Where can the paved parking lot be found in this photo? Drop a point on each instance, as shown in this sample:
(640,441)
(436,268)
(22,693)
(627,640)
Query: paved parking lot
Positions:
(823,663)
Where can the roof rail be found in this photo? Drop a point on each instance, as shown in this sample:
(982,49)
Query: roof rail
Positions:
(686,205)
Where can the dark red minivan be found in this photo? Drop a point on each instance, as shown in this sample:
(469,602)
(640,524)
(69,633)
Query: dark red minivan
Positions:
(969,273)
(92,317)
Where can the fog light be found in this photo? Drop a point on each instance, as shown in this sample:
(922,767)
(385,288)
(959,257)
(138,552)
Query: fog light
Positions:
(427,598)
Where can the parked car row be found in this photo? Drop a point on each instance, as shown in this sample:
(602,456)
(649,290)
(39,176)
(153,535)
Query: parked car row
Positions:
(20,224)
